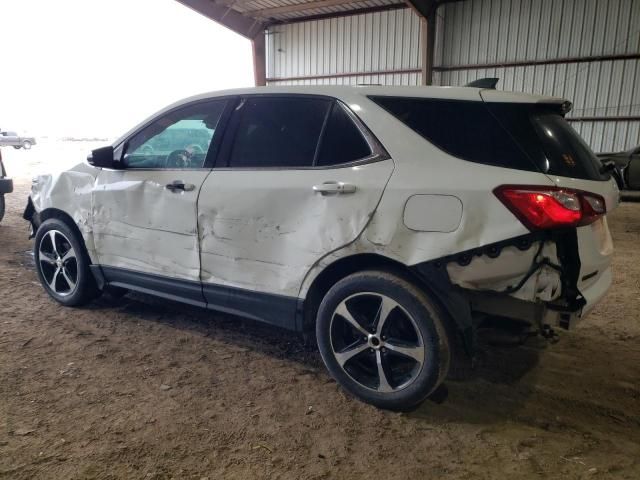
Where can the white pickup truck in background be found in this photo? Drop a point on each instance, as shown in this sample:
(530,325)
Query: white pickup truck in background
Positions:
(12,139)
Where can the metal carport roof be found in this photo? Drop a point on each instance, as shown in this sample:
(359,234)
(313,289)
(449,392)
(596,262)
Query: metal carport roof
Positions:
(250,18)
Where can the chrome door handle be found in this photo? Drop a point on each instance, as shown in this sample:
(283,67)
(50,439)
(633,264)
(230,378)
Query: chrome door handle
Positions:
(328,188)
(178,185)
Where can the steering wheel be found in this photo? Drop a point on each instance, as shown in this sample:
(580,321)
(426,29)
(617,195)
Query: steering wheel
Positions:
(147,150)
(178,159)
(195,148)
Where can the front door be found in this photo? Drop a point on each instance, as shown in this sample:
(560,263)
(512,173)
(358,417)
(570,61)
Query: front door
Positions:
(298,177)
(144,215)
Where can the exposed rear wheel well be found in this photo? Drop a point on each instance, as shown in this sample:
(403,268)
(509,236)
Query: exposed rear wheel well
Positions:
(460,336)
(346,266)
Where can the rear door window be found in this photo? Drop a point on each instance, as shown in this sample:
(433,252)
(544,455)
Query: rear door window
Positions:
(277,131)
(342,140)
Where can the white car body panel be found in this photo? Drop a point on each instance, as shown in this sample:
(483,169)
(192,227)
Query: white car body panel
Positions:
(433,213)
(267,231)
(70,192)
(141,225)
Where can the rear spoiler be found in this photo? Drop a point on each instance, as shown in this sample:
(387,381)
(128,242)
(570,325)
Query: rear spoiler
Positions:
(489,82)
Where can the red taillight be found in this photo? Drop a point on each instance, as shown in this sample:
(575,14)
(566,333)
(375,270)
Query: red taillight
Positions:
(540,208)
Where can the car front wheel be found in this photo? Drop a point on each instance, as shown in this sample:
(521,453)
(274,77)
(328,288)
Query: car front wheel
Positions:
(383,339)
(62,264)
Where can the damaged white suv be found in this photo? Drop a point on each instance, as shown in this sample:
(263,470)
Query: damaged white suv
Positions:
(385,219)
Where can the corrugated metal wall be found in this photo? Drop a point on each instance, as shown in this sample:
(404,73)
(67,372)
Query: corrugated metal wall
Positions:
(338,51)
(474,33)
(480,32)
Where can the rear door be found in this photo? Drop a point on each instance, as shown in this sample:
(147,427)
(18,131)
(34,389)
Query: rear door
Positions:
(144,214)
(298,178)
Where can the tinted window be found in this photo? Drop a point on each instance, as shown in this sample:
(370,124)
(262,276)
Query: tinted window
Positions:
(277,132)
(550,141)
(179,139)
(342,141)
(531,137)
(463,129)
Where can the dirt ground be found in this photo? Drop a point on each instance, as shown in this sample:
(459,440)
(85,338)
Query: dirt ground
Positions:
(144,388)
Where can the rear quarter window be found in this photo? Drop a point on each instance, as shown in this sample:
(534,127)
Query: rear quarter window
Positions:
(532,137)
(464,129)
(549,140)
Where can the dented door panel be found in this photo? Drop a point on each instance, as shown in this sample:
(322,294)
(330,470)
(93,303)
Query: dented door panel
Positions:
(141,225)
(264,229)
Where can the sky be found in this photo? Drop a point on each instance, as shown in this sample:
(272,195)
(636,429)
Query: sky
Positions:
(88,68)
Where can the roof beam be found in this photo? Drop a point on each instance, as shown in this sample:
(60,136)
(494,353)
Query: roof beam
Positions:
(246,26)
(426,8)
(344,13)
(299,7)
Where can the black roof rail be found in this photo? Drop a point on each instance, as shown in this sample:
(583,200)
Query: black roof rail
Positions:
(489,82)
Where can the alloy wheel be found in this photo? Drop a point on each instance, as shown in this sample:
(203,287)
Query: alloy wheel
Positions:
(377,342)
(58,263)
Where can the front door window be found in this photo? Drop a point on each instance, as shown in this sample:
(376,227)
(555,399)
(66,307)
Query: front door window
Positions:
(178,140)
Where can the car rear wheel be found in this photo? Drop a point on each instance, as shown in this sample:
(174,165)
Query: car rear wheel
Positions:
(383,339)
(62,264)
(17,147)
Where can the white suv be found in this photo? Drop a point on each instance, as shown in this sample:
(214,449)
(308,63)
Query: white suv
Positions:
(385,219)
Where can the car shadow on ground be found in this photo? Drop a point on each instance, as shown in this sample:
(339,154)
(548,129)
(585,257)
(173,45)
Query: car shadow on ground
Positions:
(505,352)
(250,334)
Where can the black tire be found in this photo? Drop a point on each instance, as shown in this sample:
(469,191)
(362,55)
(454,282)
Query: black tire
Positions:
(17,147)
(2,207)
(84,288)
(401,390)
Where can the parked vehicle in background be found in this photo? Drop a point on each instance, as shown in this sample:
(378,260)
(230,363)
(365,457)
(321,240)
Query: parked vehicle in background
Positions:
(389,221)
(6,186)
(627,167)
(12,139)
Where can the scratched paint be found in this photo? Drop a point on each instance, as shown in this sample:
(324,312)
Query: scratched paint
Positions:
(264,229)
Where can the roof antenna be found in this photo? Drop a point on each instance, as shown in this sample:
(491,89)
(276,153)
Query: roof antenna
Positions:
(490,82)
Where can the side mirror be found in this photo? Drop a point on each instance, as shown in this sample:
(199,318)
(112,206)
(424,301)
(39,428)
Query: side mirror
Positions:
(102,157)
